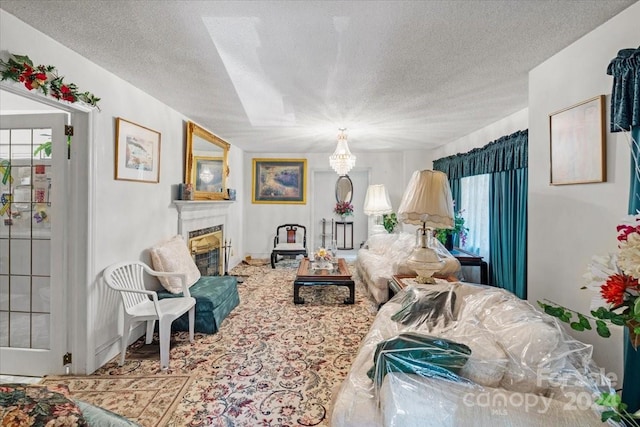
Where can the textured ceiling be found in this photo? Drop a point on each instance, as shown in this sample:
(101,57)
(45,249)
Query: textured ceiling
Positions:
(271,76)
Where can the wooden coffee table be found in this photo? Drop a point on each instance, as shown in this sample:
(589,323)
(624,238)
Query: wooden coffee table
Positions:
(306,276)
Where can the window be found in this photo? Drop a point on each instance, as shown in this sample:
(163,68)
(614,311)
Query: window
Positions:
(474,204)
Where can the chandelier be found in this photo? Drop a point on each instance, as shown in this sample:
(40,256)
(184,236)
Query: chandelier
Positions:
(342,161)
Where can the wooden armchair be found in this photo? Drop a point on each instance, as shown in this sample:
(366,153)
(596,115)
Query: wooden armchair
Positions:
(290,240)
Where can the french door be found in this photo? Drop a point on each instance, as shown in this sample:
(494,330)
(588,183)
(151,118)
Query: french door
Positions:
(33,257)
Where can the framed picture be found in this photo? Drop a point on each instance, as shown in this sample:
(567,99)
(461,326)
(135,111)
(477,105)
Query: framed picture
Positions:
(279,181)
(208,173)
(137,152)
(578,148)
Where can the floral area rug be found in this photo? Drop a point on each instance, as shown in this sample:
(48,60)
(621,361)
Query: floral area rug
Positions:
(147,400)
(273,363)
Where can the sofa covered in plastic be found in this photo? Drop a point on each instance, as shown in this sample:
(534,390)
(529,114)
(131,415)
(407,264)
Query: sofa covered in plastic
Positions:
(385,254)
(455,354)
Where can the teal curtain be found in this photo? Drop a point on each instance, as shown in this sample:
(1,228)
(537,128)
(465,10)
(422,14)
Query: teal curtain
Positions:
(631,381)
(625,94)
(506,160)
(625,116)
(508,230)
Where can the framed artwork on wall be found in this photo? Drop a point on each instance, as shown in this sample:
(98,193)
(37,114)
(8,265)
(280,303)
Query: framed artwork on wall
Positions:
(137,152)
(578,143)
(208,173)
(279,181)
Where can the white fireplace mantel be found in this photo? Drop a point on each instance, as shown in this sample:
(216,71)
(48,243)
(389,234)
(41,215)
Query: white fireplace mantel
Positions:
(197,214)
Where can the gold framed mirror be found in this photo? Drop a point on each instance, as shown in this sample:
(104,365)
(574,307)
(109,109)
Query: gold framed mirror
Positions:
(207,165)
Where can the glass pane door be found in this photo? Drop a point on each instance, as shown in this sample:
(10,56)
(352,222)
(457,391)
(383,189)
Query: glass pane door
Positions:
(31,247)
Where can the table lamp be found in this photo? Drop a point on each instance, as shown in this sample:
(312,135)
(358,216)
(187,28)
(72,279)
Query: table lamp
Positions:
(426,201)
(376,204)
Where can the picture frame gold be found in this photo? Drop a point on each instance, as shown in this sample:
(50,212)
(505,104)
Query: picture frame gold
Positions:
(137,153)
(279,181)
(203,146)
(577,136)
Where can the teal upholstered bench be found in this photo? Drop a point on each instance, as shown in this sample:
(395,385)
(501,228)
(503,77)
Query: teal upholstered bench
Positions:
(215,297)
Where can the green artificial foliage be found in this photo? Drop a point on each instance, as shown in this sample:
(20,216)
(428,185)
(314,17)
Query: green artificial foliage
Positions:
(390,221)
(458,228)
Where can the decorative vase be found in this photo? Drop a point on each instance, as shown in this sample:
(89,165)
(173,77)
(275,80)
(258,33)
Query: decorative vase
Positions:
(633,337)
(448,242)
(631,379)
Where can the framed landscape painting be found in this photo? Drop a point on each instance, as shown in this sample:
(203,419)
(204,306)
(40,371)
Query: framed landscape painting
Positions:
(279,181)
(137,152)
(578,149)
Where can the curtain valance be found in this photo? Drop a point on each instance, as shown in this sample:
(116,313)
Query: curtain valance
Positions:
(506,153)
(625,95)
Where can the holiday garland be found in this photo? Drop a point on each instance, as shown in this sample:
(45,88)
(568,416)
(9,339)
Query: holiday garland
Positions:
(44,78)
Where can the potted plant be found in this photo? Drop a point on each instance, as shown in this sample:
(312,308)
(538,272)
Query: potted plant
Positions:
(343,209)
(447,236)
(390,221)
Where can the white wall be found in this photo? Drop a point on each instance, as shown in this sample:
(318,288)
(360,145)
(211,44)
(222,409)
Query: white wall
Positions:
(569,224)
(261,220)
(127,217)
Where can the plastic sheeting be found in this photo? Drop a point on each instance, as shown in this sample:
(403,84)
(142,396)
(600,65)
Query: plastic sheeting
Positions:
(386,254)
(455,354)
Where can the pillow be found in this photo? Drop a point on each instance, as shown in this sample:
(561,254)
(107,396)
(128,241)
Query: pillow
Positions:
(402,247)
(424,306)
(522,332)
(100,417)
(479,305)
(172,256)
(418,354)
(528,340)
(412,401)
(488,362)
(379,243)
(33,404)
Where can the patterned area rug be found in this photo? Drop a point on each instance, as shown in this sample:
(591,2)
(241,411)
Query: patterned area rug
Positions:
(272,362)
(149,400)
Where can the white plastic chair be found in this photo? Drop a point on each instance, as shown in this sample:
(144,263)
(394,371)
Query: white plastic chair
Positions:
(128,279)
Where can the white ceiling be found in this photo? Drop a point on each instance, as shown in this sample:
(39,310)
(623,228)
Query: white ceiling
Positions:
(283,76)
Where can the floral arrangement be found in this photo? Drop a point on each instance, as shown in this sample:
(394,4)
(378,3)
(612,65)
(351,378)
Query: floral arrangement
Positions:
(343,208)
(323,254)
(44,78)
(458,228)
(616,277)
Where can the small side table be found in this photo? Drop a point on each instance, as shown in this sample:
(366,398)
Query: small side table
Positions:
(468,259)
(346,226)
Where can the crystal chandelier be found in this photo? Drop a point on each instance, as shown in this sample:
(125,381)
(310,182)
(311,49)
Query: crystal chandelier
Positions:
(342,161)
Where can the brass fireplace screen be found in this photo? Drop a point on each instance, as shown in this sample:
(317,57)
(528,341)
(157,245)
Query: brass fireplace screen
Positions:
(207,253)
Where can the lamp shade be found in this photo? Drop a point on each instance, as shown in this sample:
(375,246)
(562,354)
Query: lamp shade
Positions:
(427,199)
(342,161)
(377,202)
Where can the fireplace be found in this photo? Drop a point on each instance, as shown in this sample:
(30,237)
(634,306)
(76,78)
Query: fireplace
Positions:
(206,247)
(205,222)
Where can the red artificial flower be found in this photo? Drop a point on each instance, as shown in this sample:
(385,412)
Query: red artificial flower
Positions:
(65,89)
(41,76)
(625,230)
(614,288)
(28,84)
